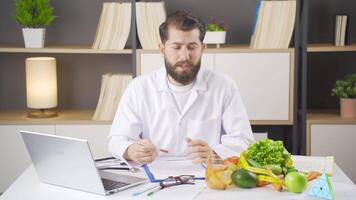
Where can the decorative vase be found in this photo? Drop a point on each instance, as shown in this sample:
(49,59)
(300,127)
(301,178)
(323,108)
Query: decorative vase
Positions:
(34,37)
(348,108)
(217,38)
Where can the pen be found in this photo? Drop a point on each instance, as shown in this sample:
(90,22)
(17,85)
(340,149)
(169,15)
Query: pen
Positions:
(163,150)
(145,190)
(155,190)
(113,168)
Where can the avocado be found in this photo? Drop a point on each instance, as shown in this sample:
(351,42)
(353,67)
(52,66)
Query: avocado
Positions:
(244,179)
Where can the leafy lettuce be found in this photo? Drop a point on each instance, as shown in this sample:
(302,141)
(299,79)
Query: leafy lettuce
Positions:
(267,151)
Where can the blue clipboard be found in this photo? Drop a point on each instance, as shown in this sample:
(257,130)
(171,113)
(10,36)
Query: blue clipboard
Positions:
(154,180)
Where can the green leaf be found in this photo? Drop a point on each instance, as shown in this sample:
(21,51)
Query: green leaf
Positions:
(345,88)
(33,13)
(214,27)
(267,152)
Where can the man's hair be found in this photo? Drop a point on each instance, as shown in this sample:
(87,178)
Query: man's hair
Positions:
(184,21)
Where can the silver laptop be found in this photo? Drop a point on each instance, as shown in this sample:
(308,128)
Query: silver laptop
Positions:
(68,162)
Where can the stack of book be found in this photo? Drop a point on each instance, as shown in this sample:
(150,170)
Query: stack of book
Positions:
(112,88)
(149,16)
(274,24)
(340,30)
(113,27)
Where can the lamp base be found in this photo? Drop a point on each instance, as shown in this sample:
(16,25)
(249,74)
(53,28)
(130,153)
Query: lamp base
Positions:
(42,113)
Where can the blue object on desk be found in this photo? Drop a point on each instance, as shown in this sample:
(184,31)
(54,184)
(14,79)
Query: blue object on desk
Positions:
(322,188)
(154,180)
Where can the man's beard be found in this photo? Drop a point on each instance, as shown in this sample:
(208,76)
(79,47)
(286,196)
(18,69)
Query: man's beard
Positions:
(184,77)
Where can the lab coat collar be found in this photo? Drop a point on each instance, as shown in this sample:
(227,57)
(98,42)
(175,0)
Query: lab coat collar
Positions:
(162,85)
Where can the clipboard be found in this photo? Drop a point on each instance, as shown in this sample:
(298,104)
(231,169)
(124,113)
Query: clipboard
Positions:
(166,170)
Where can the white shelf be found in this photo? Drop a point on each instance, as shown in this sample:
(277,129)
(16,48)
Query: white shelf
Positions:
(79,49)
(330,48)
(226,48)
(64,117)
(327,117)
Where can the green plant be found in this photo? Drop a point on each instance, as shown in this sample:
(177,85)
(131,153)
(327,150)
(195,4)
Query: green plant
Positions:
(34,13)
(345,88)
(267,152)
(214,26)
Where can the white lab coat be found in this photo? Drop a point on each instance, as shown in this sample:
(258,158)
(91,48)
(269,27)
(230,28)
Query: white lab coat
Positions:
(214,113)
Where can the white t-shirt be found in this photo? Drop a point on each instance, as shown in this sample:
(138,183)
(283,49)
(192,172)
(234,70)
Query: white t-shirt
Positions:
(181,94)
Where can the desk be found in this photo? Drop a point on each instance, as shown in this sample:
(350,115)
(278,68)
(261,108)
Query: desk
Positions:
(28,187)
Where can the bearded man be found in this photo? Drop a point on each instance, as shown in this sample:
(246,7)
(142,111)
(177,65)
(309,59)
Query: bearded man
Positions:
(180,107)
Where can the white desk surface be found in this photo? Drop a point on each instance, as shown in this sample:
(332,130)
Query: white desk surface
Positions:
(28,187)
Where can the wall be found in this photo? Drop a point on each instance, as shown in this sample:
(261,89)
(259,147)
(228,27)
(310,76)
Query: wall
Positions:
(77,21)
(325,68)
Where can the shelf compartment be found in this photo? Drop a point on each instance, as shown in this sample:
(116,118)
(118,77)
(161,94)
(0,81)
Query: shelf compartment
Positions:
(327,117)
(226,48)
(16,117)
(330,48)
(64,117)
(79,49)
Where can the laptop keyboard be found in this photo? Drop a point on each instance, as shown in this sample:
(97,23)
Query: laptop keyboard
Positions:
(111,185)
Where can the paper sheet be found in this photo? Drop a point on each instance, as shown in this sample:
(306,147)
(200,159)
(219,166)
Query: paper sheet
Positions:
(314,163)
(165,166)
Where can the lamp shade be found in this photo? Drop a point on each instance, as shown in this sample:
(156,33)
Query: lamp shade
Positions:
(41,82)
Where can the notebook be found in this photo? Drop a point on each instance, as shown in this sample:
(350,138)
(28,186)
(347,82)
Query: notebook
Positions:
(322,164)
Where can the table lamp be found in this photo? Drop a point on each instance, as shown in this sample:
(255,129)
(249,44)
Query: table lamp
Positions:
(41,87)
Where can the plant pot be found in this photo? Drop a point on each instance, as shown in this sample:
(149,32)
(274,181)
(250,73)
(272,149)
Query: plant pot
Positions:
(348,108)
(34,37)
(215,37)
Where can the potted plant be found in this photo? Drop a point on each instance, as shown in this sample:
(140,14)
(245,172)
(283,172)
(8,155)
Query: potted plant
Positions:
(345,89)
(34,15)
(215,33)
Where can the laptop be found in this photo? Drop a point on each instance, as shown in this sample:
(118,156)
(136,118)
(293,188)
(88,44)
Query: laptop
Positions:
(68,162)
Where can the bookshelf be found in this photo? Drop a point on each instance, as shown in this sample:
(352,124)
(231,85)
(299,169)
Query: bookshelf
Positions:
(317,42)
(70,38)
(234,41)
(330,135)
(61,40)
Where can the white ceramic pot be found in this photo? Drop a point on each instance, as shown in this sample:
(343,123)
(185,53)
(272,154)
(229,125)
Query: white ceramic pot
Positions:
(215,37)
(34,37)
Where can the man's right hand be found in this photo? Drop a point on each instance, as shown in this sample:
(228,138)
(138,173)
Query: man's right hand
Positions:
(141,152)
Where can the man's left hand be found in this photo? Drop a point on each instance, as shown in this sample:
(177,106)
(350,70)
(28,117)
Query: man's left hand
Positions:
(198,150)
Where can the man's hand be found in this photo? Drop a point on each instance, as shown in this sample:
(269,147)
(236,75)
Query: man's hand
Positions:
(142,152)
(198,150)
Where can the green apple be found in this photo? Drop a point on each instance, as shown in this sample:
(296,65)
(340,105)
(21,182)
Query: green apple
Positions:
(296,182)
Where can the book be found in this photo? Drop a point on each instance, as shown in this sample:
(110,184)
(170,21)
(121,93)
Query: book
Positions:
(341,30)
(258,6)
(149,16)
(124,26)
(273,24)
(113,27)
(100,29)
(108,26)
(322,164)
(337,30)
(112,88)
(103,92)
